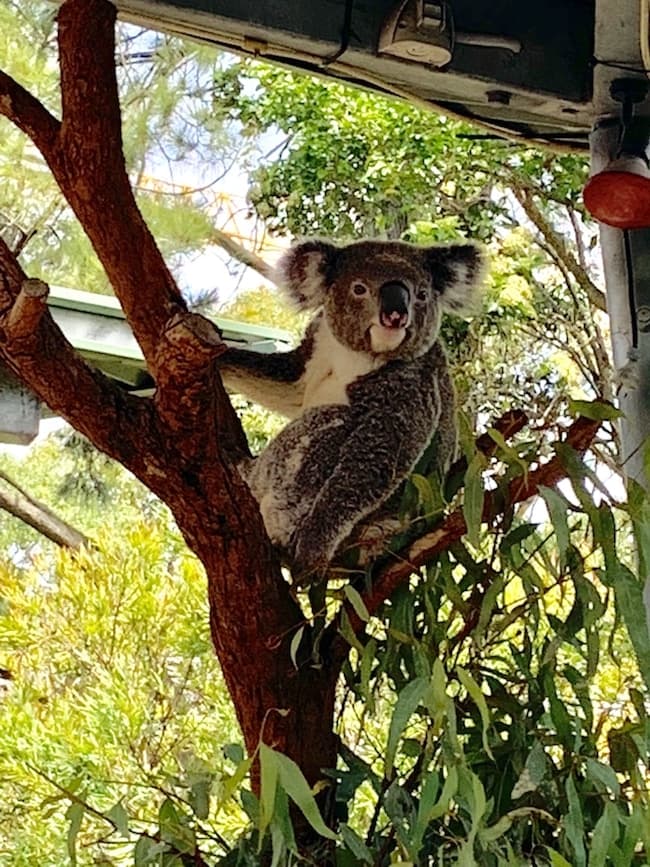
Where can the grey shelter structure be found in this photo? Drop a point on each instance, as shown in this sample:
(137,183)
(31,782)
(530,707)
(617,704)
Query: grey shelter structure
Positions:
(96,326)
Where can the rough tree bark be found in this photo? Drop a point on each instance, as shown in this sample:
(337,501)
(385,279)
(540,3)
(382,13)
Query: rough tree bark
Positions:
(183,443)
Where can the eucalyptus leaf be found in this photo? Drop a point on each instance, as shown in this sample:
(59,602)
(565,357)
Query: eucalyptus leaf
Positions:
(475,692)
(473,499)
(282,770)
(407,701)
(74,814)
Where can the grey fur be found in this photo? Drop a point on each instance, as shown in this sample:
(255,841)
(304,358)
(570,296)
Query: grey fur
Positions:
(366,398)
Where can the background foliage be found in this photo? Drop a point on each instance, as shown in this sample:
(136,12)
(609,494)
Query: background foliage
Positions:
(496,711)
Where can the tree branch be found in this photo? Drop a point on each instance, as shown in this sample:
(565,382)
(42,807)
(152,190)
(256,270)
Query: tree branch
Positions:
(85,156)
(95,181)
(452,528)
(30,116)
(37,515)
(241,254)
(555,240)
(44,360)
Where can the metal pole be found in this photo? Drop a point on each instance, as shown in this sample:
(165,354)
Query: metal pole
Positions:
(626,271)
(626,261)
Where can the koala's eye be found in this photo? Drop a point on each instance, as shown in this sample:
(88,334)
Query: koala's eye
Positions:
(359,289)
(421,295)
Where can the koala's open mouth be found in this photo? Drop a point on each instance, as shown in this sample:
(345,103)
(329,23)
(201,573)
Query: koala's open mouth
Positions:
(389,332)
(386,338)
(394,319)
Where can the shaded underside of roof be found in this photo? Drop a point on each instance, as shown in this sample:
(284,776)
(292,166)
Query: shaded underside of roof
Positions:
(524,69)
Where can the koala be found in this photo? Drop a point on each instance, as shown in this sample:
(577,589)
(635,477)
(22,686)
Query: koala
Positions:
(366,389)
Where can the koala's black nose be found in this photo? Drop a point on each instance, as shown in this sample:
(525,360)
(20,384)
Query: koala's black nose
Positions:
(394,305)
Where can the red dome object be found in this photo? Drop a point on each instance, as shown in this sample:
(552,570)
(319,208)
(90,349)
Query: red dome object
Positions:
(620,195)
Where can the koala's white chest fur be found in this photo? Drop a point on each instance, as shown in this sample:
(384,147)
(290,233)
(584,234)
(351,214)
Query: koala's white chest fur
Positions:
(331,368)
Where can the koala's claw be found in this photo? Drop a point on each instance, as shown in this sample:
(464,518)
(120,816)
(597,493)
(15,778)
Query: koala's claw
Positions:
(308,559)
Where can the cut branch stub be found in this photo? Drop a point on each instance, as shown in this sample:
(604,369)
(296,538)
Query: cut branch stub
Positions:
(190,342)
(185,378)
(22,319)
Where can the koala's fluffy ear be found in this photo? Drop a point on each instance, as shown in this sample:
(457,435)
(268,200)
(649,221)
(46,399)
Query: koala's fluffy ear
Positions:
(303,273)
(457,272)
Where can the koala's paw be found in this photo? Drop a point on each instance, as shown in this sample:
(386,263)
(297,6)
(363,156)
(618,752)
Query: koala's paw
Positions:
(309,557)
(373,538)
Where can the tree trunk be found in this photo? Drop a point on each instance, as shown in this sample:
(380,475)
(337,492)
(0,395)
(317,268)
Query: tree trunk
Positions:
(253,620)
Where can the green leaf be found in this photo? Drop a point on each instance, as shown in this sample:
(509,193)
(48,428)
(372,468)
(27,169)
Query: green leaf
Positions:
(595,410)
(574,824)
(282,835)
(269,774)
(234,752)
(604,834)
(517,535)
(449,789)
(475,692)
(347,632)
(355,600)
(533,772)
(118,816)
(488,604)
(355,844)
(557,860)
(148,851)
(174,828)
(493,832)
(278,845)
(250,805)
(74,814)
(425,491)
(633,832)
(603,774)
(478,801)
(473,499)
(407,701)
(559,714)
(629,599)
(400,809)
(230,786)
(295,644)
(285,771)
(199,797)
(557,509)
(512,456)
(365,668)
(436,698)
(430,789)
